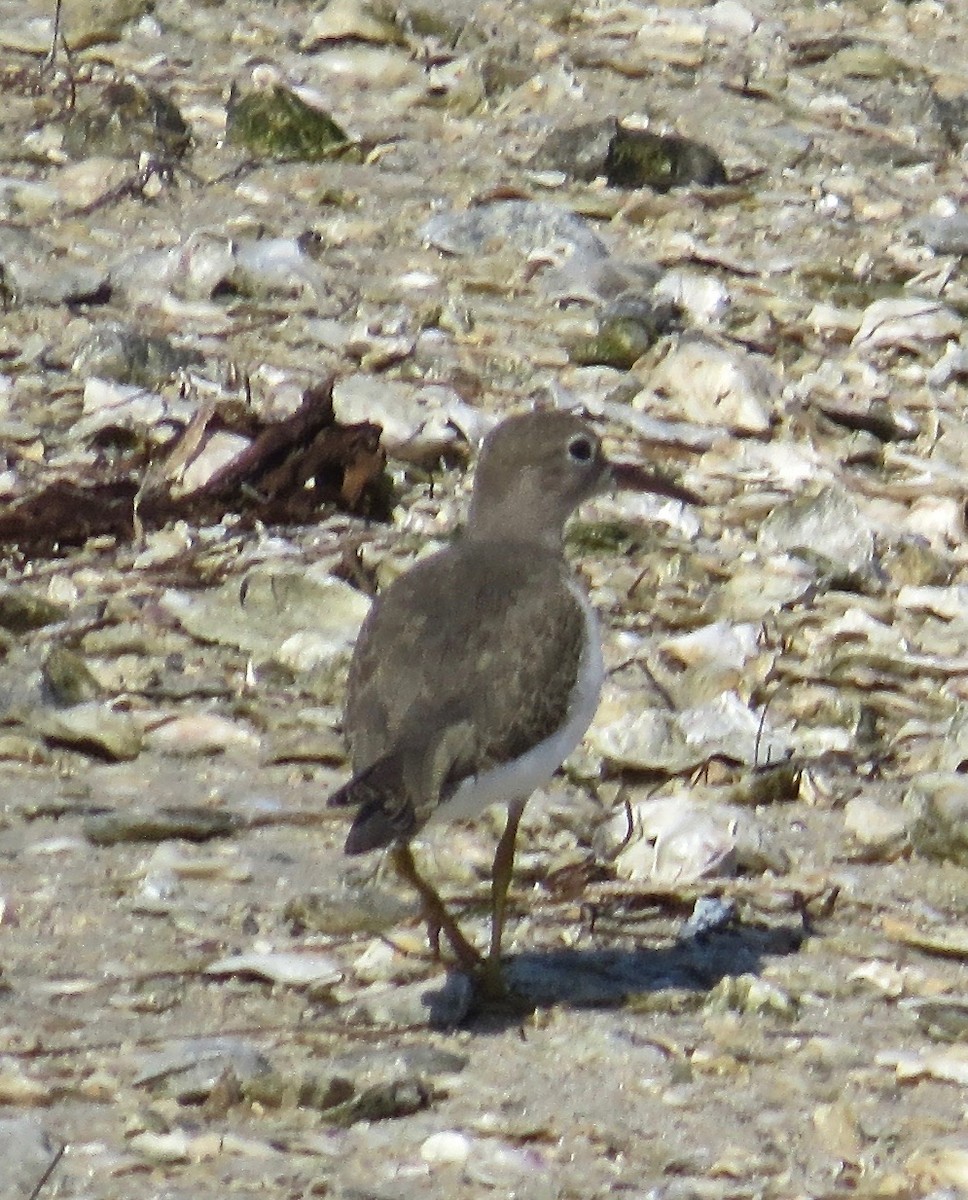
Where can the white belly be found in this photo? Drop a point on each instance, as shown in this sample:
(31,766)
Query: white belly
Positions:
(518,779)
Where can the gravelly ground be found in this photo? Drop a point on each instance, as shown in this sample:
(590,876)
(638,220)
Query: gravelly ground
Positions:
(796,1053)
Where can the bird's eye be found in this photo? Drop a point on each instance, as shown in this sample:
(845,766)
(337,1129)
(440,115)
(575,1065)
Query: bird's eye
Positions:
(580,449)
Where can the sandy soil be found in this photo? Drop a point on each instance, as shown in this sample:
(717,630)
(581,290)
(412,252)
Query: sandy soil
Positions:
(813,1045)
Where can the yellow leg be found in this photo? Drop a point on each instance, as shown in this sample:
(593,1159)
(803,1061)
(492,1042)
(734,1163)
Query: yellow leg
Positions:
(436,915)
(500,882)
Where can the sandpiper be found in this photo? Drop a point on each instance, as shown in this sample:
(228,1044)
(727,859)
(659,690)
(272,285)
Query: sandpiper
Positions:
(477,672)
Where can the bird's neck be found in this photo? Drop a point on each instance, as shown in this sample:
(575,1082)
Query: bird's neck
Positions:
(500,524)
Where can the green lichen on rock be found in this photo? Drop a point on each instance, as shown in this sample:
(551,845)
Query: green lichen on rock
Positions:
(638,158)
(274,123)
(579,151)
(624,335)
(67,678)
(600,537)
(629,158)
(125,120)
(22,610)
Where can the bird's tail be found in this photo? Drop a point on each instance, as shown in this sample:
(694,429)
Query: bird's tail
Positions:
(386,813)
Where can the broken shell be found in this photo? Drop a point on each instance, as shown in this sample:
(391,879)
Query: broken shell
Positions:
(357,20)
(828,525)
(702,297)
(271,605)
(656,739)
(445,1148)
(92,728)
(713,385)
(419,424)
(441,1002)
(673,841)
(20,1089)
(942,1163)
(27,1150)
(198,734)
(949,1064)
(905,322)
(521,224)
(876,827)
(723,643)
(189,1070)
(295,968)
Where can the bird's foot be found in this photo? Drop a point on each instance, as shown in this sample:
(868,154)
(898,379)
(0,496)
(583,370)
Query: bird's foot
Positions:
(440,922)
(491,984)
(495,992)
(486,972)
(470,959)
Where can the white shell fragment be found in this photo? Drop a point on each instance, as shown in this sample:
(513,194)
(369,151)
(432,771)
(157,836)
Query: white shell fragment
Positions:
(828,525)
(674,840)
(342,20)
(446,1148)
(442,1002)
(198,734)
(703,297)
(942,1164)
(875,826)
(732,17)
(420,424)
(264,265)
(731,725)
(173,1147)
(295,968)
(722,644)
(195,269)
(189,1069)
(950,603)
(182,860)
(182,1146)
(702,381)
(20,1088)
(221,448)
(905,322)
(839,1130)
(949,1063)
(760,587)
(118,404)
(522,224)
(27,1150)
(273,604)
(656,739)
(192,270)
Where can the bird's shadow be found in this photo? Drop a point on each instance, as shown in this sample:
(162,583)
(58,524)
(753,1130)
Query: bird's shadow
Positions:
(610,977)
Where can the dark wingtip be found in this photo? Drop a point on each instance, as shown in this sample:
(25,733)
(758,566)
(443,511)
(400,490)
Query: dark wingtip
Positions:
(370,831)
(383,818)
(343,797)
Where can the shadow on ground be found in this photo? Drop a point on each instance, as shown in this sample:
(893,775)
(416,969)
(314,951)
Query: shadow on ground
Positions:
(610,977)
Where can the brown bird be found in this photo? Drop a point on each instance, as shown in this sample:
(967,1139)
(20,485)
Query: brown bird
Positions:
(477,672)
